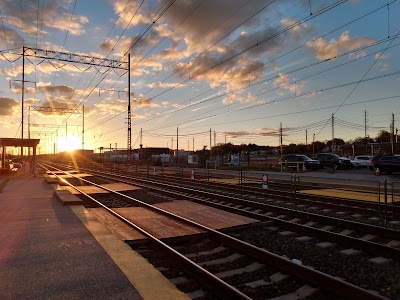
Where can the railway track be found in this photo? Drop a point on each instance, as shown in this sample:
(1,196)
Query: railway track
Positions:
(376,240)
(289,228)
(294,192)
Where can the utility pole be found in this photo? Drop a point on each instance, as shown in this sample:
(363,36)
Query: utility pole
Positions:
(306,142)
(365,124)
(141,138)
(215,137)
(22,96)
(193,145)
(210,140)
(177,147)
(392,133)
(83,128)
(333,133)
(129,110)
(280,137)
(66,134)
(29,123)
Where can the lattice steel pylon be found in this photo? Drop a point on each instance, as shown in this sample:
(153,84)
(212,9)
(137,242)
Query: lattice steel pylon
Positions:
(79,59)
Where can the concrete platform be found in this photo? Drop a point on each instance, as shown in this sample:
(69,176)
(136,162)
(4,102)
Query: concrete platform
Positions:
(162,226)
(50,251)
(353,195)
(205,215)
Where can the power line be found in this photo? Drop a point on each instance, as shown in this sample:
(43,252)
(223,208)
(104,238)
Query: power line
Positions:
(362,78)
(329,59)
(286,29)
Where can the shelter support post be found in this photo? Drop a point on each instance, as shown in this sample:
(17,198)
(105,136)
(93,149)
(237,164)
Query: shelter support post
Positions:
(34,161)
(3,157)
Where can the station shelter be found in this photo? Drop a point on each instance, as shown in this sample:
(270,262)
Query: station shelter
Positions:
(23,143)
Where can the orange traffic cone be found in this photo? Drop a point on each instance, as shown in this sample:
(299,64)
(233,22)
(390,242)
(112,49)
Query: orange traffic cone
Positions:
(377,172)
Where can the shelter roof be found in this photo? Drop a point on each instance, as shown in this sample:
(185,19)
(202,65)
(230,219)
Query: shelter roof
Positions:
(19,142)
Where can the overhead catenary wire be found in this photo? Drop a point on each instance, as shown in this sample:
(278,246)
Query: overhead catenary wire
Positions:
(283,85)
(223,61)
(139,119)
(275,77)
(99,82)
(81,101)
(362,78)
(212,45)
(279,100)
(284,54)
(278,115)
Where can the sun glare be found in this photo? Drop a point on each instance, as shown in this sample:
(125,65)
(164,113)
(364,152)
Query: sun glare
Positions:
(72,143)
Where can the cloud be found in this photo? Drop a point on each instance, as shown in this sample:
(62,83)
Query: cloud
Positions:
(55,104)
(8,106)
(284,82)
(223,17)
(297,31)
(54,93)
(52,15)
(128,16)
(192,47)
(325,50)
(10,39)
(140,102)
(57,89)
(8,123)
(164,85)
(117,106)
(31,101)
(233,97)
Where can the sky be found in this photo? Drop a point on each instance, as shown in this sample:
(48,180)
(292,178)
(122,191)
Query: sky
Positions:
(244,70)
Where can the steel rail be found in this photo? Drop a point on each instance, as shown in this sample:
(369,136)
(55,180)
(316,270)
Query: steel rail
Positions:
(373,229)
(323,280)
(223,289)
(275,188)
(369,246)
(366,207)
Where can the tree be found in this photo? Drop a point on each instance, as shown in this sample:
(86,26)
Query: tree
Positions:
(360,140)
(336,141)
(383,137)
(202,156)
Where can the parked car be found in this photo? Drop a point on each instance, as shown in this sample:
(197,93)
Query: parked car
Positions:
(17,162)
(363,160)
(374,160)
(294,161)
(388,164)
(355,164)
(333,160)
